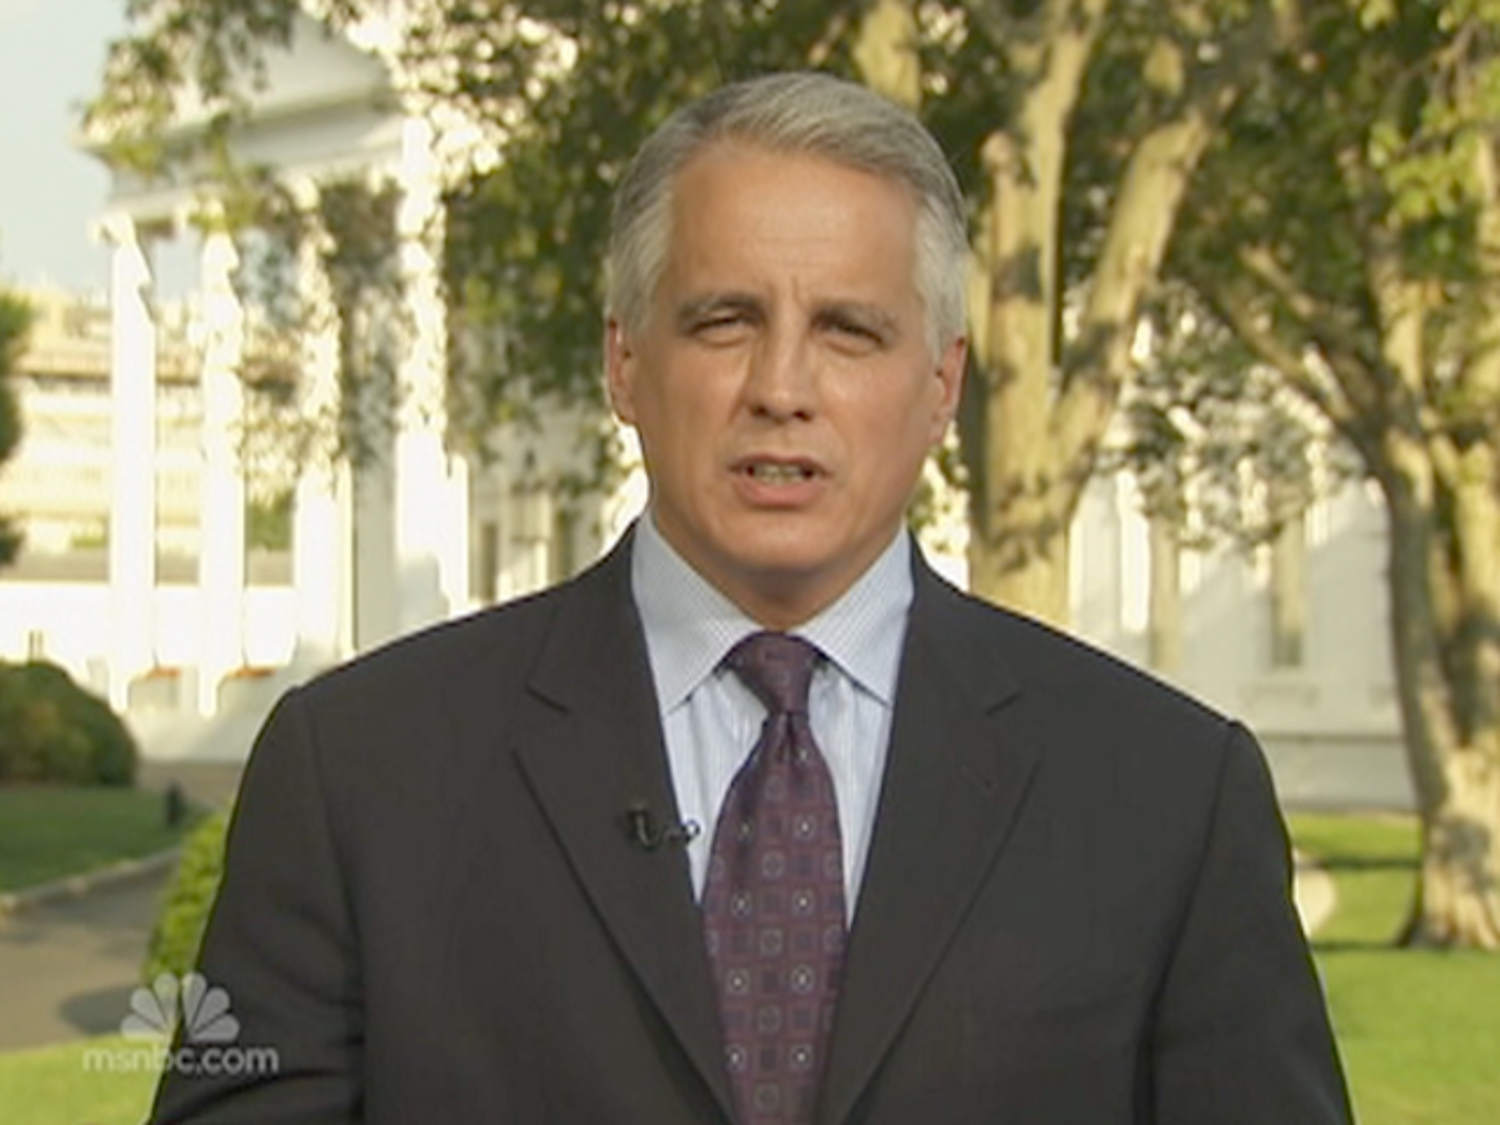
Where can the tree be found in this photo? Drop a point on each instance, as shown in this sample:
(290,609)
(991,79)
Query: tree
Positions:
(15,318)
(1112,101)
(1344,234)
(1106,111)
(1082,119)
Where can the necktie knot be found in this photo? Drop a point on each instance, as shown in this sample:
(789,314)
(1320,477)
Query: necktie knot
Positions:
(777,668)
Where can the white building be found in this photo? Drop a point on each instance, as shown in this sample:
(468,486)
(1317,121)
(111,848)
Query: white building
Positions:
(132,489)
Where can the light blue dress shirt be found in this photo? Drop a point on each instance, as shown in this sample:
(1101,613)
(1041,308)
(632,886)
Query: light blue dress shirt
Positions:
(710,720)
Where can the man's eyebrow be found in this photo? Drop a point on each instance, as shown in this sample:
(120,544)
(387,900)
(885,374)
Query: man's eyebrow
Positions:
(694,309)
(865,315)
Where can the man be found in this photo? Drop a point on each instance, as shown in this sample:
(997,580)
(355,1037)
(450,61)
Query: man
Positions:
(758,820)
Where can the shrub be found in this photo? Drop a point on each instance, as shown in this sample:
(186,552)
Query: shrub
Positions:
(178,932)
(53,730)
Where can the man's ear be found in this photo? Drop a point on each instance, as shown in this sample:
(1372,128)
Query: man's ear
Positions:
(950,377)
(619,370)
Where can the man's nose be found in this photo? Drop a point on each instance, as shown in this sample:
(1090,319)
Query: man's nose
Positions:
(782,381)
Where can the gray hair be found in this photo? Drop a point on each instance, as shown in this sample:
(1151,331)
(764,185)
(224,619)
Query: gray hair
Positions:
(801,112)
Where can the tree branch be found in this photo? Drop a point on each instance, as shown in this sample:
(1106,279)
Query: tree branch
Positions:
(1326,326)
(1155,181)
(1289,360)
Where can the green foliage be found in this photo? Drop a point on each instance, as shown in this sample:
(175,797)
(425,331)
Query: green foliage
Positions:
(53,730)
(173,947)
(1349,171)
(353,227)
(268,522)
(15,319)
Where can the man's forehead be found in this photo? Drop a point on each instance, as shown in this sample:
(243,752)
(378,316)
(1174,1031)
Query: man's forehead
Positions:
(733,190)
(719,235)
(729,149)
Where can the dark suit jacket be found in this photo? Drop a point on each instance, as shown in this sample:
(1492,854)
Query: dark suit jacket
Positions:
(1075,908)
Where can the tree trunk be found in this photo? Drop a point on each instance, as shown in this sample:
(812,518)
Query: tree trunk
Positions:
(1458,903)
(1440,488)
(1029,577)
(1018,543)
(1041,413)
(1455,772)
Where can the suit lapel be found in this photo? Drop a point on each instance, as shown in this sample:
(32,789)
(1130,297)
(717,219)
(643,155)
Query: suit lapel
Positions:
(955,778)
(604,755)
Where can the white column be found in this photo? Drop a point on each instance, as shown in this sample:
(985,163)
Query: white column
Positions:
(430,490)
(321,532)
(453,567)
(376,588)
(221,514)
(320,566)
(1134,546)
(132,513)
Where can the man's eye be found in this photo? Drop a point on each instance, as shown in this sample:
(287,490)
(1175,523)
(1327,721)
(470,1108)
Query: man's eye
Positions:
(855,334)
(719,322)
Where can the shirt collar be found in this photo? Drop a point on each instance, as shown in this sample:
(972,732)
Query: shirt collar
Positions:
(690,625)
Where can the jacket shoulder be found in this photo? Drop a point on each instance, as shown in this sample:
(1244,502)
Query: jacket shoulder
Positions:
(1066,669)
(503,640)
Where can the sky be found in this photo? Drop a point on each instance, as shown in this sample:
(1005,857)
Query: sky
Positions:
(51,56)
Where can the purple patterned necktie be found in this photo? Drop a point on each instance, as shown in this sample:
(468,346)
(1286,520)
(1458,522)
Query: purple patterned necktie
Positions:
(773,904)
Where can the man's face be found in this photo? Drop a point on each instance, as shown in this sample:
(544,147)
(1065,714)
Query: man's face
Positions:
(782,387)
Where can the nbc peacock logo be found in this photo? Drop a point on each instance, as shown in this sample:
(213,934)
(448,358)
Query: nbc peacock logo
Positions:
(204,1010)
(208,1044)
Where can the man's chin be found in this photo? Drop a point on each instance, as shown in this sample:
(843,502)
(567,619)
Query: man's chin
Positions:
(799,581)
(779,560)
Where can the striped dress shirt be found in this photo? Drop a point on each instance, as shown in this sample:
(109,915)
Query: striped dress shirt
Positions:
(710,720)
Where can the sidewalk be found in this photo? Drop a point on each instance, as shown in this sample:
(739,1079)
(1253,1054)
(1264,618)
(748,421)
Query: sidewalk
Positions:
(67,968)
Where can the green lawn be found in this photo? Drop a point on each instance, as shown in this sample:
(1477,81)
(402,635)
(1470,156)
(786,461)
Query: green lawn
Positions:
(1419,1030)
(67,1085)
(50,831)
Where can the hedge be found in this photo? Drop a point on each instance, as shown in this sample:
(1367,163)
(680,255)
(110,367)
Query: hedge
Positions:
(53,730)
(173,947)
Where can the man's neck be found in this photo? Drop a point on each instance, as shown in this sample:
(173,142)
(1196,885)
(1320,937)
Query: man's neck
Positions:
(776,601)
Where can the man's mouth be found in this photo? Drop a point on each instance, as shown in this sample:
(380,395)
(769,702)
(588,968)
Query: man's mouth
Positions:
(775,472)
